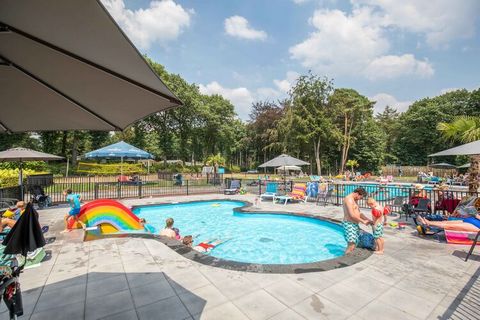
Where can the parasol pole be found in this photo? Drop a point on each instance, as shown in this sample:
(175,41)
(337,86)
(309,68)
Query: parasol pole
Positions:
(121,165)
(20,179)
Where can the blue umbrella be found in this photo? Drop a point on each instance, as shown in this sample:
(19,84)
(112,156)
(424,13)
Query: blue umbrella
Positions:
(119,150)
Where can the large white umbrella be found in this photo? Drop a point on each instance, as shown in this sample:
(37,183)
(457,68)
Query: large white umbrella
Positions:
(25,154)
(66,65)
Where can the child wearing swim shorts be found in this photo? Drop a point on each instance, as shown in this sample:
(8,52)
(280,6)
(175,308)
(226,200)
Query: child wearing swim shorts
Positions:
(378,219)
(73,200)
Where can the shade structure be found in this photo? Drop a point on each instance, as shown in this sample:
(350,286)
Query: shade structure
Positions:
(283,160)
(442,165)
(25,154)
(66,65)
(289,168)
(465,166)
(119,150)
(26,235)
(472,148)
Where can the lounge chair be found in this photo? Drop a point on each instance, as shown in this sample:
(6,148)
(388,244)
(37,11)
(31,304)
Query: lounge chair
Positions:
(297,194)
(324,196)
(422,206)
(434,180)
(270,192)
(234,187)
(312,190)
(474,243)
(398,202)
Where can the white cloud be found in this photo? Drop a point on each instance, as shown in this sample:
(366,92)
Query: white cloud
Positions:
(241,97)
(237,26)
(162,21)
(388,67)
(300,1)
(341,43)
(384,99)
(439,20)
(286,84)
(353,44)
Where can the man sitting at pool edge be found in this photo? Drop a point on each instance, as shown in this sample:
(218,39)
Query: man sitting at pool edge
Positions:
(352,217)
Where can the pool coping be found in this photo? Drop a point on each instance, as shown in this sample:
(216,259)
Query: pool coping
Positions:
(356,256)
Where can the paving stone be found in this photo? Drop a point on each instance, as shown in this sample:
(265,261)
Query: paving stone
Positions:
(317,307)
(288,292)
(224,311)
(71,311)
(287,314)
(202,298)
(381,311)
(125,315)
(187,280)
(152,292)
(100,287)
(408,303)
(100,307)
(141,279)
(349,298)
(171,308)
(61,297)
(259,305)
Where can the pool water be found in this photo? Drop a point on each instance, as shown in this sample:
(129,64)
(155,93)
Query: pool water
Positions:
(254,238)
(380,193)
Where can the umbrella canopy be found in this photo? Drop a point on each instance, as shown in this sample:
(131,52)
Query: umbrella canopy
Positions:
(442,165)
(119,150)
(471,148)
(26,235)
(466,165)
(284,160)
(66,65)
(25,154)
(288,168)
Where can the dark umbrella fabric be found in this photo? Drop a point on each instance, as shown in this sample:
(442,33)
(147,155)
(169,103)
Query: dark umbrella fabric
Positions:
(442,165)
(26,235)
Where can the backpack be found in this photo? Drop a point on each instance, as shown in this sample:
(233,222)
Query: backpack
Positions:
(366,241)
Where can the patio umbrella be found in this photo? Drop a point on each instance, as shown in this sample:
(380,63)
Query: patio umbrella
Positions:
(465,166)
(121,150)
(26,235)
(284,160)
(288,168)
(25,154)
(442,165)
(472,148)
(66,65)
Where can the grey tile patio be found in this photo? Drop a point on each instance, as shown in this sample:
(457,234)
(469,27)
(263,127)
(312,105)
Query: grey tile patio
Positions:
(125,278)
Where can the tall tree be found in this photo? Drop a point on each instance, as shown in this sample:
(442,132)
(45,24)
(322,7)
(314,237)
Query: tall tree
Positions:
(350,108)
(387,121)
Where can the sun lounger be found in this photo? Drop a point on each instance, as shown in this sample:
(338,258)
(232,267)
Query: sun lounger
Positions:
(297,194)
(234,187)
(270,192)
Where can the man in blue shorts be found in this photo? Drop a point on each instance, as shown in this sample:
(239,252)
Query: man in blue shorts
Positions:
(73,200)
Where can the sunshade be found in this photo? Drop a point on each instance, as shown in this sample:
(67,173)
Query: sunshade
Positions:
(119,150)
(25,154)
(287,168)
(284,160)
(442,165)
(26,235)
(466,165)
(66,65)
(471,148)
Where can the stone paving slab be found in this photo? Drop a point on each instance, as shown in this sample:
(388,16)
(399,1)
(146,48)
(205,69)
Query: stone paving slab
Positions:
(417,278)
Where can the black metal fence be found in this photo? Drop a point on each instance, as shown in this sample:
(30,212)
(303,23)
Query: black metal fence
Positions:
(150,185)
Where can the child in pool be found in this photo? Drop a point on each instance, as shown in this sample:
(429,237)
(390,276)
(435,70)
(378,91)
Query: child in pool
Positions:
(203,247)
(378,220)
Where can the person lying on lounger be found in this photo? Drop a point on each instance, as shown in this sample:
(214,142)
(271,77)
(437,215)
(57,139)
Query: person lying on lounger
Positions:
(469,224)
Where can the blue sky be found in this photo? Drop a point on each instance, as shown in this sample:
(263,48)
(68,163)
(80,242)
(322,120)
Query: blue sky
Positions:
(393,52)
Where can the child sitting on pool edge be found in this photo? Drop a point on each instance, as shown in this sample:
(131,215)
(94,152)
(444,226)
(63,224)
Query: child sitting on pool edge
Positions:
(378,221)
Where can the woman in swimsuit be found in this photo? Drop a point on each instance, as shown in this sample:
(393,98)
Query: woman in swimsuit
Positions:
(470,224)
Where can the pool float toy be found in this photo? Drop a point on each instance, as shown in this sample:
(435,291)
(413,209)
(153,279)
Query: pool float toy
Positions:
(216,205)
(109,216)
(394,224)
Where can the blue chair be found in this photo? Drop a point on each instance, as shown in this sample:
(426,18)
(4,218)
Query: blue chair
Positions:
(270,192)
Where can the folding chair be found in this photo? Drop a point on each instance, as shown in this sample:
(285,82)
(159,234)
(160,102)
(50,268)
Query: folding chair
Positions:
(473,246)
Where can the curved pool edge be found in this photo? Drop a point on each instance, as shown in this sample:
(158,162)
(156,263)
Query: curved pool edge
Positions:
(340,262)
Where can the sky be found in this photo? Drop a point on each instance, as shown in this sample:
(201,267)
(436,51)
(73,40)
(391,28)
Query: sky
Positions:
(394,52)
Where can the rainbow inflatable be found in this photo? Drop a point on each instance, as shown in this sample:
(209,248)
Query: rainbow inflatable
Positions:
(110,216)
(460,237)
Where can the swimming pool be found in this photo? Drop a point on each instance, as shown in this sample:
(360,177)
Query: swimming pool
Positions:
(379,192)
(252,238)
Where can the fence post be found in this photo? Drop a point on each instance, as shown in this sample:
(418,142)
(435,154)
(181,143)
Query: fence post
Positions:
(119,190)
(187,186)
(95,188)
(336,193)
(259,187)
(139,189)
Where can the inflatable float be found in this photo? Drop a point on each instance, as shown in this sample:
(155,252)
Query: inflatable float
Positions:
(105,216)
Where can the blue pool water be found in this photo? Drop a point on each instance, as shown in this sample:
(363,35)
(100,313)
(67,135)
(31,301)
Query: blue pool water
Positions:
(380,193)
(254,238)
